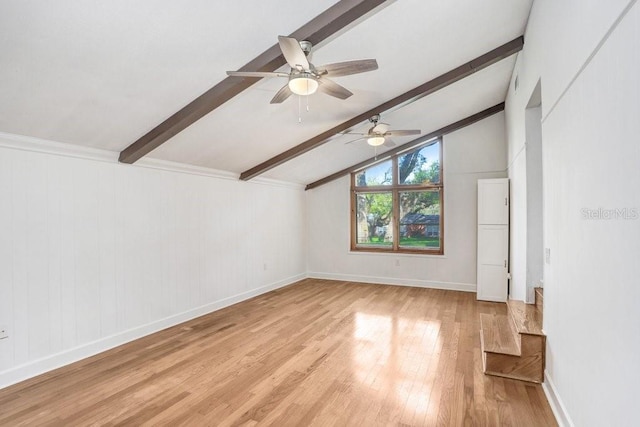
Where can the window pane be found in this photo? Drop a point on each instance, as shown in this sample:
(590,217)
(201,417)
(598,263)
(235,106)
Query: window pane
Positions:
(373,219)
(421,166)
(420,219)
(379,174)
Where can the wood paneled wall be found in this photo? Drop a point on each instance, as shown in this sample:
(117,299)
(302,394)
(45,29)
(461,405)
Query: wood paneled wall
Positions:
(93,253)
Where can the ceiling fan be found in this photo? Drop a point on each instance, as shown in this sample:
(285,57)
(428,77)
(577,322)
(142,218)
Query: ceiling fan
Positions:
(379,133)
(304,77)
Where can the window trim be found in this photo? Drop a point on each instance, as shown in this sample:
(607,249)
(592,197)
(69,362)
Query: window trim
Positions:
(395,189)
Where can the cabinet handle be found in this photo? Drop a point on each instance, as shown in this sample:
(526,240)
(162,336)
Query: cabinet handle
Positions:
(505,201)
(505,263)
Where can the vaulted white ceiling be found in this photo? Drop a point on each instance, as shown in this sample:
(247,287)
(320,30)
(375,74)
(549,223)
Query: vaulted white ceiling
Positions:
(103,73)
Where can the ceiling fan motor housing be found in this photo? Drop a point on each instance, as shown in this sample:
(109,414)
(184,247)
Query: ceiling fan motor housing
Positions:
(306,47)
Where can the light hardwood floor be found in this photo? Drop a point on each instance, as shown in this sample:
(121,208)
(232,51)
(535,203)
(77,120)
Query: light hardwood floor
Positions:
(315,353)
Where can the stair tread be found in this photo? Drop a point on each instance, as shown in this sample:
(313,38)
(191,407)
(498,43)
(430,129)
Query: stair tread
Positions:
(526,317)
(497,334)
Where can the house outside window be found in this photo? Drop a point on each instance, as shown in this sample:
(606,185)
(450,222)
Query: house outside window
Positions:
(397,204)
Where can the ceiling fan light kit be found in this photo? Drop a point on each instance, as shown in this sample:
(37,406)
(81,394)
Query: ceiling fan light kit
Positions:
(303,84)
(375,141)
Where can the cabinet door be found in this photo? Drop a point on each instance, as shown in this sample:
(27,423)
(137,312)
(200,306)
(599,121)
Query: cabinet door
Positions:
(493,251)
(493,201)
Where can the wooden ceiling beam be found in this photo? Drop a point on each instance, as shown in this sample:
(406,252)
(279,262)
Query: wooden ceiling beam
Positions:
(388,154)
(329,22)
(413,95)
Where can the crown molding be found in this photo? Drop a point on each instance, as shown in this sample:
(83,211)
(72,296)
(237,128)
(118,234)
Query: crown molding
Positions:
(55,148)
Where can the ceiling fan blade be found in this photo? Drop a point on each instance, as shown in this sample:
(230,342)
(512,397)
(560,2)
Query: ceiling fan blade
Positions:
(403,132)
(388,142)
(334,89)
(349,67)
(354,140)
(293,53)
(259,74)
(282,94)
(380,128)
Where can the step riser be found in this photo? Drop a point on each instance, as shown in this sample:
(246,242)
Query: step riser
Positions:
(539,299)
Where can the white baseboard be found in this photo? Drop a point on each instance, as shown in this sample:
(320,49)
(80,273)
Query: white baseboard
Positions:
(558,408)
(451,286)
(58,360)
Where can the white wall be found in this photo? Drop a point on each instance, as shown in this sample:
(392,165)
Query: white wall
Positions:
(475,152)
(94,253)
(587,56)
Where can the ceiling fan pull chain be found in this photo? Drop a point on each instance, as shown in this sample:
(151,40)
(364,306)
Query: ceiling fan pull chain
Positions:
(299,115)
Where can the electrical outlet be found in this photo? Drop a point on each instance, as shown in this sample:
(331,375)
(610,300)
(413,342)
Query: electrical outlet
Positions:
(397,263)
(4,332)
(264,267)
(547,255)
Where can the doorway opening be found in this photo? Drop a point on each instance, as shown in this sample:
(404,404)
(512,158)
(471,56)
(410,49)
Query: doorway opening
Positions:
(535,243)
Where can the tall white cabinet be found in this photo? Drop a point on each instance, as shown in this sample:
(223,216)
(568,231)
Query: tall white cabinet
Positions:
(493,239)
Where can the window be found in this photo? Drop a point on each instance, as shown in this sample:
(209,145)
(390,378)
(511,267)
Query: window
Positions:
(397,204)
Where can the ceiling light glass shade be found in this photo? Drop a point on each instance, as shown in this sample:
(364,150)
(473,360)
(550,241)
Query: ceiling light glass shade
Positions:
(375,140)
(303,84)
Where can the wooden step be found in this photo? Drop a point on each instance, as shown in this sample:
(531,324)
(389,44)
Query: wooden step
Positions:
(526,317)
(529,366)
(497,334)
(513,344)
